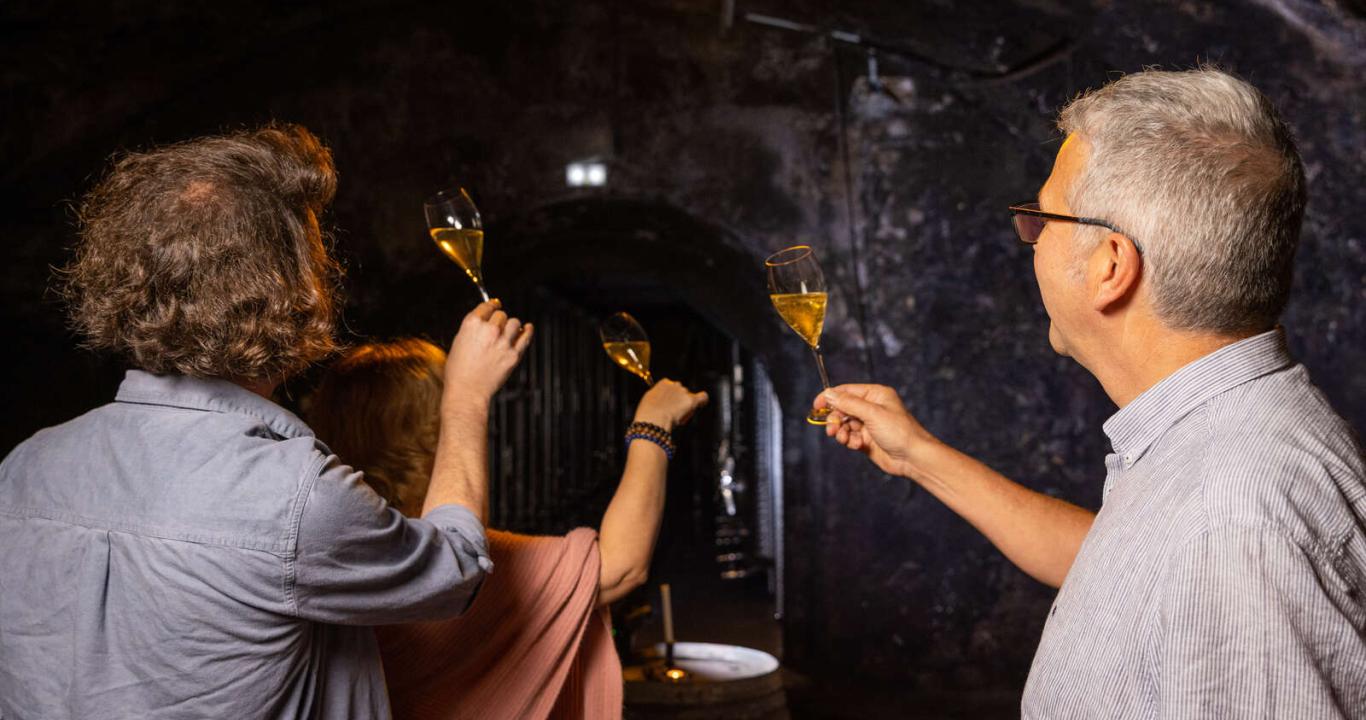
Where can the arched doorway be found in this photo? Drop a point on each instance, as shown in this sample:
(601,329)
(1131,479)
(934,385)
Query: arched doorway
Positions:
(701,295)
(655,251)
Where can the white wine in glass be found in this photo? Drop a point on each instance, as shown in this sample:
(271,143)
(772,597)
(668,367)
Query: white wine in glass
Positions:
(797,288)
(455,226)
(625,342)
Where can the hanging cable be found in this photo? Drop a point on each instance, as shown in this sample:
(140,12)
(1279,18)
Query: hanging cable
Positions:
(855,239)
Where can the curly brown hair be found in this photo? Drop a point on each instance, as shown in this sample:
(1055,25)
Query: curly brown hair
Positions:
(206,258)
(378,407)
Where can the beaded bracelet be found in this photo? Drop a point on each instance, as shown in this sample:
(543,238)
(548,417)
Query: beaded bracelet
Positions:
(652,433)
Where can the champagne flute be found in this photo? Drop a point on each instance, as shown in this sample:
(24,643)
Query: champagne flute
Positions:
(797,288)
(454,223)
(626,343)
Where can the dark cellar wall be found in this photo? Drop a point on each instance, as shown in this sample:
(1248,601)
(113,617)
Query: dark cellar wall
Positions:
(740,131)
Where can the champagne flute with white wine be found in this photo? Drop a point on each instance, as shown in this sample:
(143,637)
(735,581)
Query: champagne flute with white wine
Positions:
(626,343)
(797,288)
(453,221)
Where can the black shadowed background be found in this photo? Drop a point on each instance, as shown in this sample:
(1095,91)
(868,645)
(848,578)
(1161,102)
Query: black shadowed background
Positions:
(729,129)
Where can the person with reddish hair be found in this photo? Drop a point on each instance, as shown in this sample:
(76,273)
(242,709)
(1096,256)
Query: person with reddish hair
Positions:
(192,549)
(537,642)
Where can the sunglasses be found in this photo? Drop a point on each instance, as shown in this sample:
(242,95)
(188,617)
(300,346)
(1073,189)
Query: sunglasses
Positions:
(1030,220)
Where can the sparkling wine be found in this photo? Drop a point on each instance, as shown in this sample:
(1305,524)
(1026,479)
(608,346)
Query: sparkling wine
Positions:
(804,313)
(465,247)
(634,356)
(796,286)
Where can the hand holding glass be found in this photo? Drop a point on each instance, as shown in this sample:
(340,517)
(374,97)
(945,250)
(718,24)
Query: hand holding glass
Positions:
(626,343)
(454,223)
(797,288)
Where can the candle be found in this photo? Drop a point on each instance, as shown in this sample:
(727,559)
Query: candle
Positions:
(668,614)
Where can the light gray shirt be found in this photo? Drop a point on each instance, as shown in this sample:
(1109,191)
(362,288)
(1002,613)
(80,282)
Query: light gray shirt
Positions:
(1224,574)
(192,551)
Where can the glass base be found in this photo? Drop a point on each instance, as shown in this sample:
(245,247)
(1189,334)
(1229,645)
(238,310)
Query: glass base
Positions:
(819,417)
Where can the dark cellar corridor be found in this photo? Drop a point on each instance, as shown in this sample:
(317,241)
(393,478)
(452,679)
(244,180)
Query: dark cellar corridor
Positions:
(891,137)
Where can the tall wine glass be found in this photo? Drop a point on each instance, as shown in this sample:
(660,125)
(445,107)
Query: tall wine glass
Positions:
(797,288)
(626,343)
(454,223)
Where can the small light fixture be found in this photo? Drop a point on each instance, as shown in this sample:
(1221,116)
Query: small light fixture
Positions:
(597,174)
(586,173)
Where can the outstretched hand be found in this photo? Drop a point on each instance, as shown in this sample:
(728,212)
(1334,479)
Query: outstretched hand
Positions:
(484,353)
(871,419)
(669,404)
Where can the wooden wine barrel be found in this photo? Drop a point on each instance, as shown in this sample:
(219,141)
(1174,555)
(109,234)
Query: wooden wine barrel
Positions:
(724,682)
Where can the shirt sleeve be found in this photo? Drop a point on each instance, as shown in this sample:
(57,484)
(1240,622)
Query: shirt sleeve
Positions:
(1248,629)
(359,561)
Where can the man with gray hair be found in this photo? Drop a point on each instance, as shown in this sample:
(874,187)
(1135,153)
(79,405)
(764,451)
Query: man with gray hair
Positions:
(1225,573)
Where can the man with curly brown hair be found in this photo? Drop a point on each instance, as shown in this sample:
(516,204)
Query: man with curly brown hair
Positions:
(191,549)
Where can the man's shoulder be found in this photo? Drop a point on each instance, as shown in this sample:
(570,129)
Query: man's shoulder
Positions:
(1278,456)
(174,472)
(1280,421)
(75,433)
(178,432)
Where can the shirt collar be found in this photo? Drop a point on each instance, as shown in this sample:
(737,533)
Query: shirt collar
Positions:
(209,394)
(1135,428)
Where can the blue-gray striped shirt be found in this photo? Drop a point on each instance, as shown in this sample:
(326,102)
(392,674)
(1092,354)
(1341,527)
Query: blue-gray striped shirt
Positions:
(192,551)
(1225,572)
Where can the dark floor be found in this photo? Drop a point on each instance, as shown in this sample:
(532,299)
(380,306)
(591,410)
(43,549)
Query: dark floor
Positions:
(846,700)
(708,609)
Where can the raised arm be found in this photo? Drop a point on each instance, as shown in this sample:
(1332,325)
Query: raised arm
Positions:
(358,559)
(1039,533)
(483,355)
(631,523)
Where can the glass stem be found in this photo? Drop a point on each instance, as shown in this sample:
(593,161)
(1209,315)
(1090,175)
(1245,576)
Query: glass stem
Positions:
(820,365)
(482,292)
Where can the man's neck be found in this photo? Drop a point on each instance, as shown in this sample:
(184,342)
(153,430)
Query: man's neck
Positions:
(1135,362)
(264,388)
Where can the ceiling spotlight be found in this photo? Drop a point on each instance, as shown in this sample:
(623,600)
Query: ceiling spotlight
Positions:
(576,175)
(597,175)
(586,173)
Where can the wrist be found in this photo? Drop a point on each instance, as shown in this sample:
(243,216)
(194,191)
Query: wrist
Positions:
(465,409)
(925,459)
(651,433)
(660,419)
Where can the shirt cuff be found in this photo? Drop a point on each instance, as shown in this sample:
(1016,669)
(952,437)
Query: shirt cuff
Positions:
(460,520)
